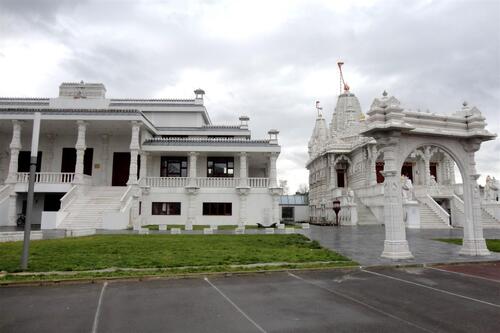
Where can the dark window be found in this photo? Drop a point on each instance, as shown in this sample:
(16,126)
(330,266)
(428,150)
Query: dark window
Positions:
(287,213)
(69,160)
(407,170)
(166,208)
(173,166)
(220,167)
(174,136)
(340,177)
(23,161)
(217,208)
(378,168)
(52,202)
(433,170)
(220,136)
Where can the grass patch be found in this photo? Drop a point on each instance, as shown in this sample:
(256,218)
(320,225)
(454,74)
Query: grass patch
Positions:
(164,252)
(491,244)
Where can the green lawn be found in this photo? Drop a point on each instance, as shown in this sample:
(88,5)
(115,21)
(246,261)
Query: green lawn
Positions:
(164,251)
(492,244)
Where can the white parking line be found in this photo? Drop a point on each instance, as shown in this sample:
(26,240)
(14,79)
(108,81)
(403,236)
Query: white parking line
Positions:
(463,274)
(236,307)
(360,302)
(432,288)
(98,310)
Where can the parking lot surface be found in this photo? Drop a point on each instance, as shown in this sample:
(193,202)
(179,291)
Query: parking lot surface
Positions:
(371,300)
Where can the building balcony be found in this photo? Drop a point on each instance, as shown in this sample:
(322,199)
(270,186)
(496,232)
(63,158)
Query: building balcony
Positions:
(205,182)
(46,181)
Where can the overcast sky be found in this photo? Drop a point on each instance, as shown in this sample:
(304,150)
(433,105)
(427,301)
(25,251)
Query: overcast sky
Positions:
(270,60)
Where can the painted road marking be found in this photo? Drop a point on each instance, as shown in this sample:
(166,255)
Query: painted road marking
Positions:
(464,274)
(371,307)
(236,306)
(432,288)
(98,310)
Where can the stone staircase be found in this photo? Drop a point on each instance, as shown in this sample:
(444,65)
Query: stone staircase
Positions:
(429,219)
(365,215)
(86,211)
(488,220)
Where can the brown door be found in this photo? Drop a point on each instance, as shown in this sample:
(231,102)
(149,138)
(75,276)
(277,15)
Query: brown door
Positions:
(121,166)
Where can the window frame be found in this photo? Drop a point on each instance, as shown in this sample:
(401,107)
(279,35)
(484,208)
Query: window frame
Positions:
(167,160)
(229,167)
(217,209)
(165,208)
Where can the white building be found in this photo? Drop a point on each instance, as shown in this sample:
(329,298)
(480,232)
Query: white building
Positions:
(294,208)
(400,168)
(117,163)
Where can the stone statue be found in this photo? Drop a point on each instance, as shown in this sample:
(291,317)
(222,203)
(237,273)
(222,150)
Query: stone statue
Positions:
(350,197)
(407,188)
(489,189)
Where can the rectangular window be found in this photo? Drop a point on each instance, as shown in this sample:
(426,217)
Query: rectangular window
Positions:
(288,213)
(220,167)
(217,208)
(173,166)
(433,170)
(340,177)
(166,208)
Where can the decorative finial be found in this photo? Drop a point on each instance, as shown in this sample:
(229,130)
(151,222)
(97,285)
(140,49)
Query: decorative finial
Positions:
(465,103)
(318,108)
(81,82)
(384,93)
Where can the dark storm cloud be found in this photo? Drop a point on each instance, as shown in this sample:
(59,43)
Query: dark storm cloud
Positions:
(428,54)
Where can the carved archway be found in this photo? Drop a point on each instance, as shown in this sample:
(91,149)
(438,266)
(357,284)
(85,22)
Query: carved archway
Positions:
(399,133)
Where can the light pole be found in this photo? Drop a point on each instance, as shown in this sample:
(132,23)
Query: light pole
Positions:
(31,190)
(336,209)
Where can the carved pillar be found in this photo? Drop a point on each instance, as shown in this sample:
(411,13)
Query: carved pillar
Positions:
(473,242)
(193,158)
(12,209)
(143,172)
(272,170)
(80,151)
(243,217)
(243,170)
(427,165)
(395,244)
(134,152)
(275,209)
(191,215)
(15,147)
(51,138)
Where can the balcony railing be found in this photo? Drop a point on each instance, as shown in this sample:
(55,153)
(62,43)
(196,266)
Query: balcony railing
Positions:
(214,182)
(47,177)
(166,181)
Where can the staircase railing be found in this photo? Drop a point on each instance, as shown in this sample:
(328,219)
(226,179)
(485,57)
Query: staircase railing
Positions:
(126,198)
(436,208)
(492,209)
(68,197)
(5,192)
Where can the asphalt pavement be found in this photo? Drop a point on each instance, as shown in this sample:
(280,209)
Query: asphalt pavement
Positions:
(361,300)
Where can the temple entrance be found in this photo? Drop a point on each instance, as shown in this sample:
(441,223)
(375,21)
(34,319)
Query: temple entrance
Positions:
(121,167)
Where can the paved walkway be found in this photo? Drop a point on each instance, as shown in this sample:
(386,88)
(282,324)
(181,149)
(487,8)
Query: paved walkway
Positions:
(364,244)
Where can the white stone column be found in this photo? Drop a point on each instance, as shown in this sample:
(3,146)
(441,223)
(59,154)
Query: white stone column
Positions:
(473,242)
(193,158)
(12,209)
(427,164)
(134,152)
(243,170)
(191,213)
(15,147)
(80,151)
(275,207)
(143,172)
(272,170)
(395,244)
(243,217)
(105,158)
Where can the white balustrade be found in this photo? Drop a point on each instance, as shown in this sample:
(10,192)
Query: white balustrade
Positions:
(47,177)
(217,182)
(258,182)
(214,182)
